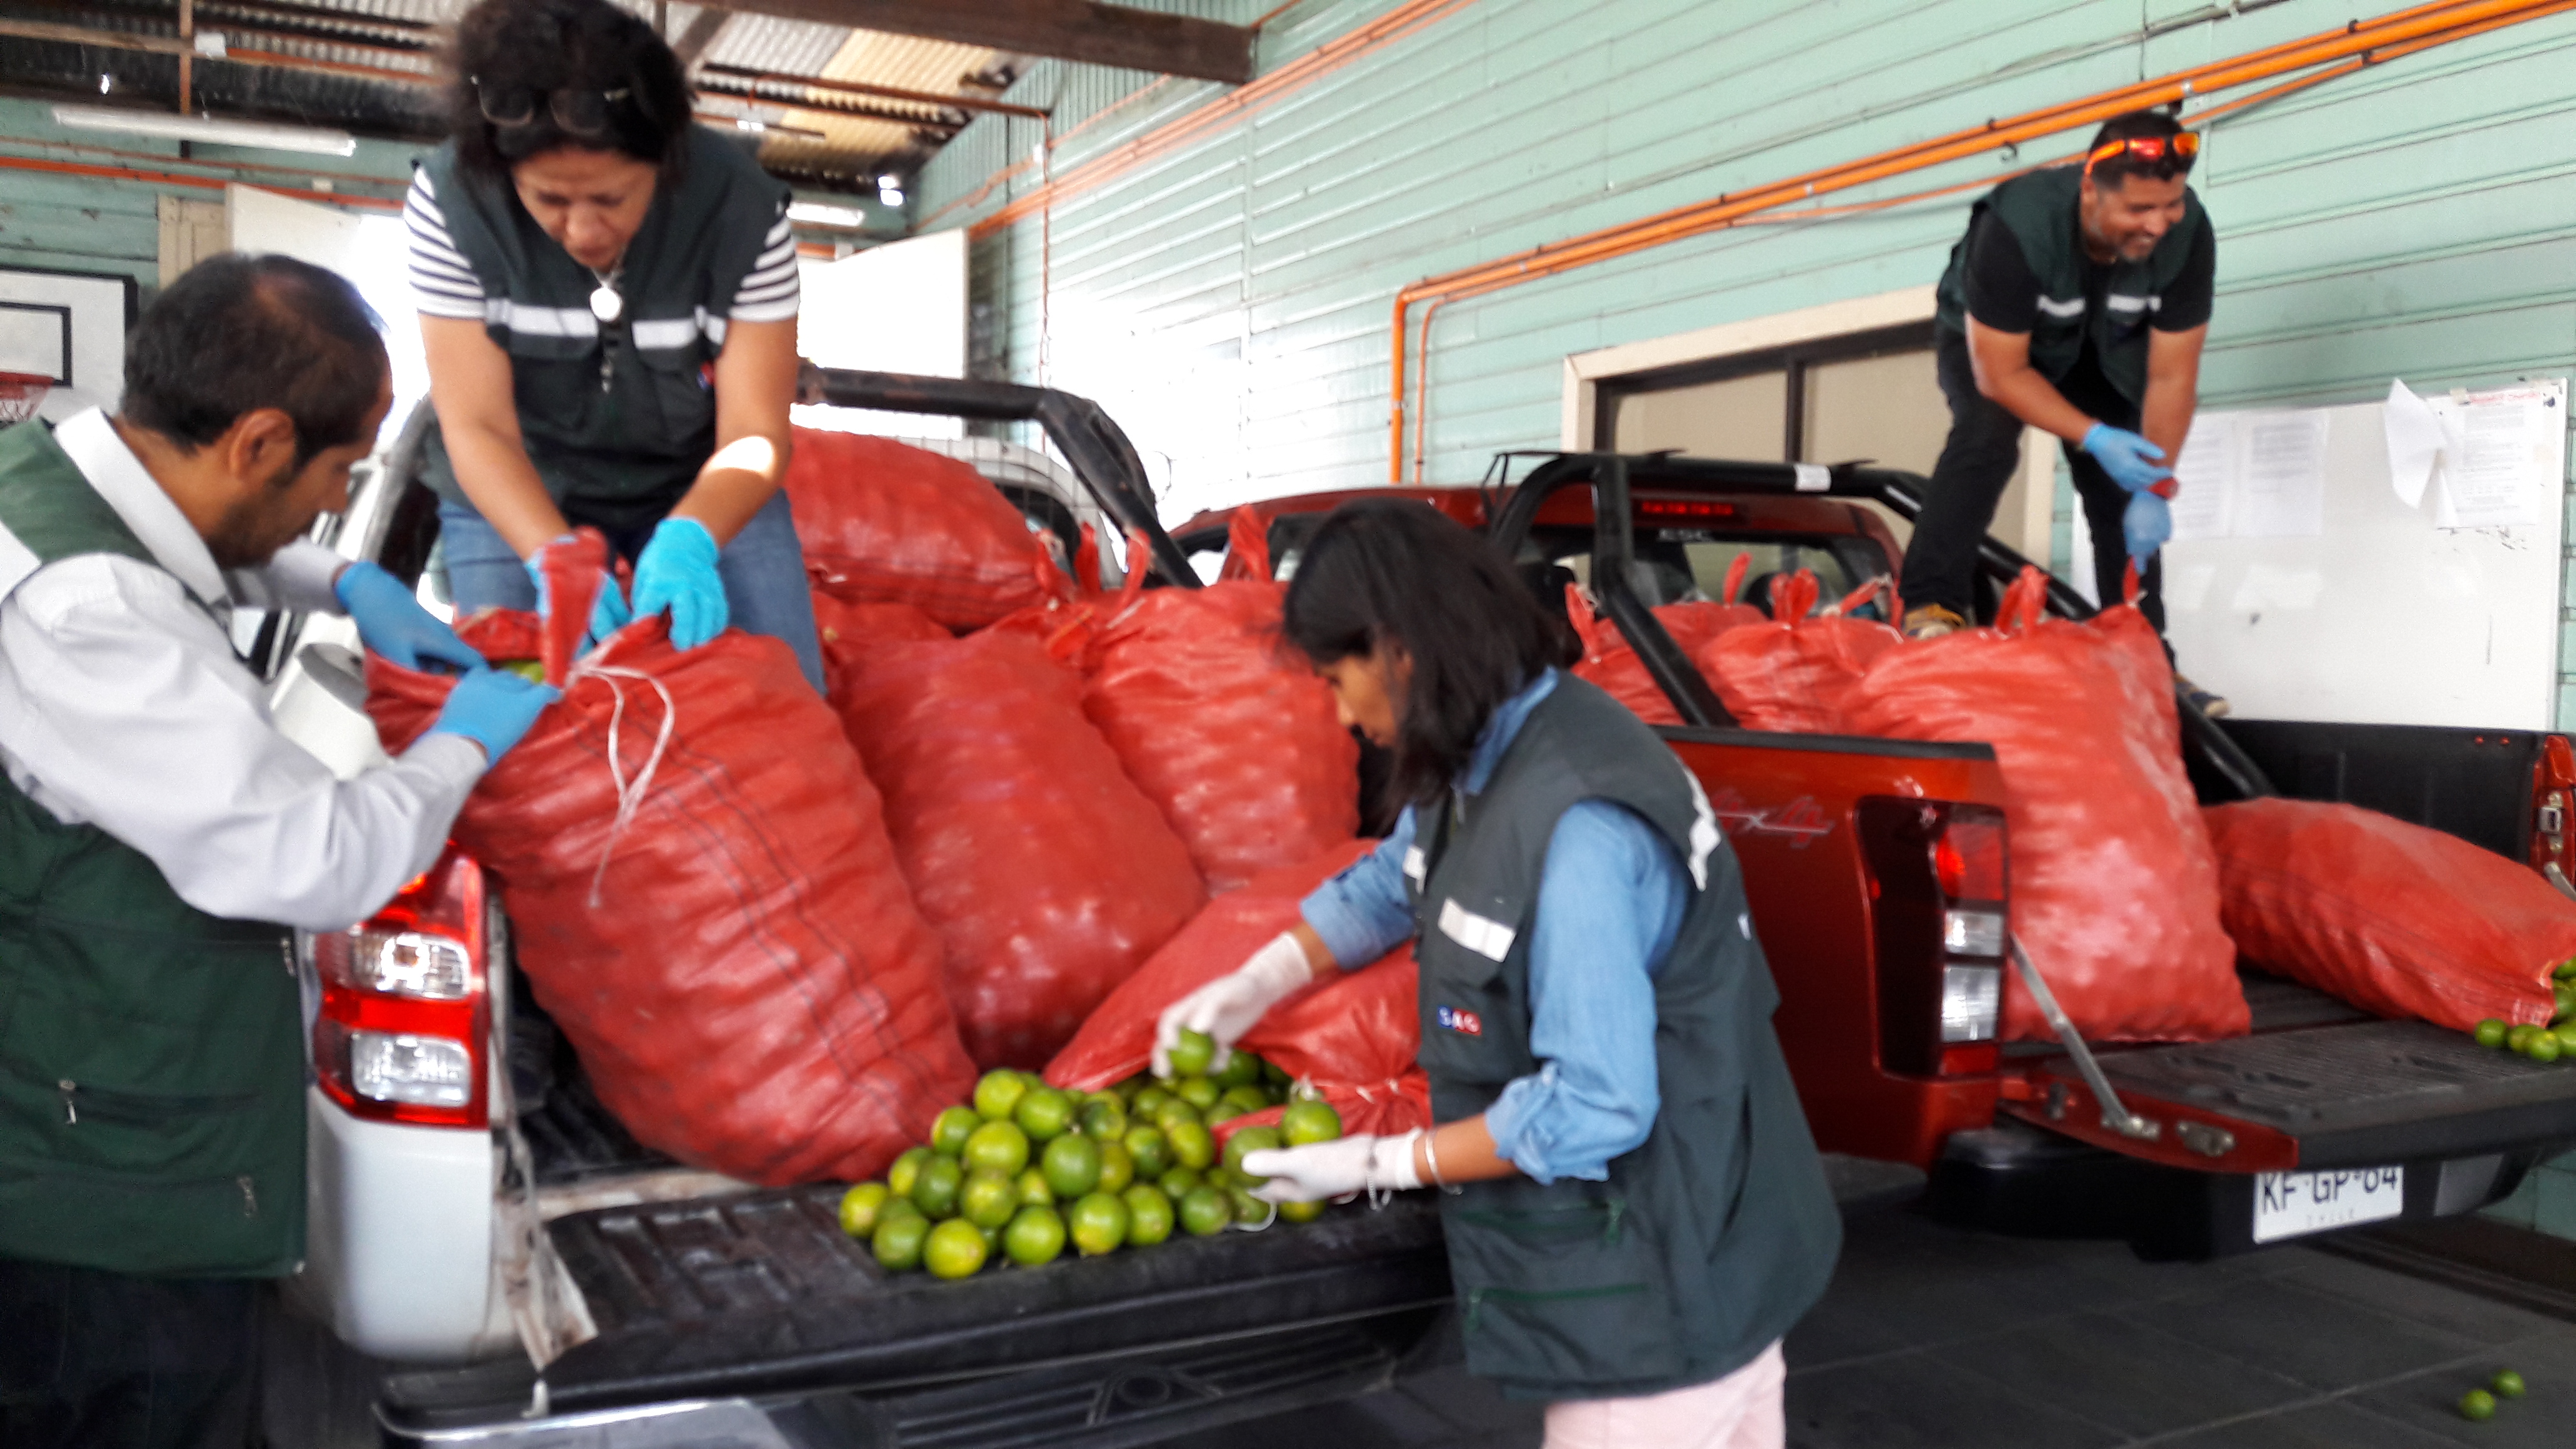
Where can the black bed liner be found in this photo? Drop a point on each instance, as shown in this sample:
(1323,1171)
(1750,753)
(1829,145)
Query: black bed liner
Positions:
(2362,1093)
(764,1293)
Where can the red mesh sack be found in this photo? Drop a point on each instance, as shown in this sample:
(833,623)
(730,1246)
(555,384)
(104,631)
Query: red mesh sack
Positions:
(2114,884)
(704,898)
(849,630)
(882,522)
(1354,1040)
(1237,743)
(2393,917)
(1612,663)
(1047,876)
(1798,674)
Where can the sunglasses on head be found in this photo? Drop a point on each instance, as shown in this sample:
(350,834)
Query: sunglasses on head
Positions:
(577,112)
(2184,145)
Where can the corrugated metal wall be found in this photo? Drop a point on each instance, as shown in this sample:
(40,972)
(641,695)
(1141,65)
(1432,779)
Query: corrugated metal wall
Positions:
(1230,303)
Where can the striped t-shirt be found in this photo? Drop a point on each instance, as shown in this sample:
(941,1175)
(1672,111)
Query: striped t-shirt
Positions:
(444,284)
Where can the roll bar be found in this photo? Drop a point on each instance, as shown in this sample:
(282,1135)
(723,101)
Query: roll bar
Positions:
(1614,477)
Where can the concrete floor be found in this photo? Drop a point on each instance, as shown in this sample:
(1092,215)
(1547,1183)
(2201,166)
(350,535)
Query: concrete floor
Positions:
(1937,1339)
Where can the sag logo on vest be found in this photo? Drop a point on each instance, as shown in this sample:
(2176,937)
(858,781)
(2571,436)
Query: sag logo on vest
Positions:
(1465,1023)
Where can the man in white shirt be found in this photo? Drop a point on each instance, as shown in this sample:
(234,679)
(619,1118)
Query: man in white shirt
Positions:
(160,840)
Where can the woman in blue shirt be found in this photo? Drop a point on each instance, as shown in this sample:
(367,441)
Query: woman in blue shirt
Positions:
(1635,1211)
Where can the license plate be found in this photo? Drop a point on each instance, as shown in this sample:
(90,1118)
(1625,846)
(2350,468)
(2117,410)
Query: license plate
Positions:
(2288,1204)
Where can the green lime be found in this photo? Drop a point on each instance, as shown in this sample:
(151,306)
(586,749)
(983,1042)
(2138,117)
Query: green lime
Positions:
(935,1187)
(992,1239)
(898,1239)
(1145,1102)
(1250,1211)
(900,1177)
(1199,1092)
(1222,1177)
(999,1146)
(1117,1169)
(948,1135)
(956,1249)
(1172,1113)
(531,670)
(859,1208)
(1034,1191)
(1151,1154)
(2543,1047)
(1300,1212)
(1241,1069)
(2518,1037)
(1149,1215)
(2565,969)
(1190,1056)
(1104,1118)
(1128,1089)
(1098,1224)
(1306,1122)
(1246,1099)
(1036,1236)
(998,1093)
(2566,1040)
(1044,1113)
(2477,1406)
(2507,1384)
(1205,1212)
(2491,1032)
(1251,1139)
(1176,1184)
(1276,1076)
(989,1198)
(1072,1166)
(1192,1144)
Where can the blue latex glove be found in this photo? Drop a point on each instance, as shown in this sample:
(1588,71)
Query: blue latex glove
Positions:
(2146,525)
(677,571)
(394,625)
(2132,461)
(493,708)
(607,614)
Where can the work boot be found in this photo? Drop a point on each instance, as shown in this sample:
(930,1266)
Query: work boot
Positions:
(2215,706)
(1931,622)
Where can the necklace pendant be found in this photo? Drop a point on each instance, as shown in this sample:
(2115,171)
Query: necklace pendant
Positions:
(605,304)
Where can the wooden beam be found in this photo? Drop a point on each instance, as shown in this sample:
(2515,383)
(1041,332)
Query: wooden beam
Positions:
(1083,30)
(700,34)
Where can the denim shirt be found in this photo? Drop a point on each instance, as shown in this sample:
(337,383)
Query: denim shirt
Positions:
(1609,903)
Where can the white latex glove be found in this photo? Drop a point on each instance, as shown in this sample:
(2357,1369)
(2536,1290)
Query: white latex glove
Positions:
(1338,1168)
(1227,1007)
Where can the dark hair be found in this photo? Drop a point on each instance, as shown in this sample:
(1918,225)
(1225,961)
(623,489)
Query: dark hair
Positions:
(2116,171)
(1386,571)
(536,47)
(237,333)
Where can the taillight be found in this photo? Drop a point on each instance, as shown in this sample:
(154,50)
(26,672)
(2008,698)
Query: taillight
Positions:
(405,1004)
(1939,922)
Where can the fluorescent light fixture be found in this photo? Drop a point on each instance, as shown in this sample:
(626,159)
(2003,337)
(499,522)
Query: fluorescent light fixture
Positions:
(815,213)
(888,196)
(211,132)
(889,183)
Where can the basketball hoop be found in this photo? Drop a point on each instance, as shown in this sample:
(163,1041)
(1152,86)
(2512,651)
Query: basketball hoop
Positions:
(21,393)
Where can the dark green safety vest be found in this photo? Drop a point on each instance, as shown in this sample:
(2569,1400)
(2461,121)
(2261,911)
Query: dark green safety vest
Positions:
(1711,1239)
(2040,211)
(151,1055)
(621,455)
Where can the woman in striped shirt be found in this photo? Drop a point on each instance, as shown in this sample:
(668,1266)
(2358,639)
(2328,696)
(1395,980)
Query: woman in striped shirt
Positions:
(608,296)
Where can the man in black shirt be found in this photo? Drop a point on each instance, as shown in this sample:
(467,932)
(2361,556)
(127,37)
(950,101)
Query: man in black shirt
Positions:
(2076,303)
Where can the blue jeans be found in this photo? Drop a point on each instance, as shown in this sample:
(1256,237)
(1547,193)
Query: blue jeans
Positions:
(763,572)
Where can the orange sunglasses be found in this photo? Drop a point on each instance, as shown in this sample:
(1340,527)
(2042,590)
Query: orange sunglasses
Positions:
(2185,144)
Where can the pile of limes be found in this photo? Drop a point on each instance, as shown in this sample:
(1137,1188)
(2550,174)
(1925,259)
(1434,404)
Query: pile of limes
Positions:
(2479,1405)
(2540,1043)
(1028,1168)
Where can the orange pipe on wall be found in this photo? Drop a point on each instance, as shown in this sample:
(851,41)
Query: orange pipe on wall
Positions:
(203,183)
(2358,44)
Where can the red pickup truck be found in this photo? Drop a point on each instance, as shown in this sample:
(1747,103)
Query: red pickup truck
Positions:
(674,1307)
(1856,851)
